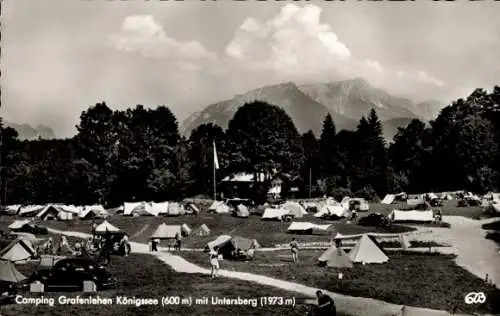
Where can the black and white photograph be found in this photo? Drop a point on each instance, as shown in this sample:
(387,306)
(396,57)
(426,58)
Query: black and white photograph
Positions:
(245,157)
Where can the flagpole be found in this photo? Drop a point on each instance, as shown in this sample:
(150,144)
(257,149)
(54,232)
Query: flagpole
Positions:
(215,185)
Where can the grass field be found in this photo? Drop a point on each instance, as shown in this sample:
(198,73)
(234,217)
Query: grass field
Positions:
(267,233)
(144,276)
(422,280)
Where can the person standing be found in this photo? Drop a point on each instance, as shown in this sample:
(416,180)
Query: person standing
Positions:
(214,262)
(178,241)
(154,245)
(326,305)
(294,247)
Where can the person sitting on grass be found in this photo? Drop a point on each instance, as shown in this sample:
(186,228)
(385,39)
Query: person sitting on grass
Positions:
(214,262)
(326,305)
(294,246)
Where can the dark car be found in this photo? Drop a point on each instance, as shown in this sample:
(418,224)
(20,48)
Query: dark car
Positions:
(374,219)
(69,274)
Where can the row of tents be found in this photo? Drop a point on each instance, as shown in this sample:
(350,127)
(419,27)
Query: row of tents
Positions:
(57,211)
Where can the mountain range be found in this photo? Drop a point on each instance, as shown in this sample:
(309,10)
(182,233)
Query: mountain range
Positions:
(347,101)
(27,132)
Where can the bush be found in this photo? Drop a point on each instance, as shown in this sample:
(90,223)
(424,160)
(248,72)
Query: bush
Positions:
(339,193)
(368,193)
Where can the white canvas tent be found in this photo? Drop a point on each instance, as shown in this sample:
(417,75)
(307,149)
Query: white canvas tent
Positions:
(388,199)
(156,209)
(9,273)
(219,207)
(203,230)
(412,216)
(106,227)
(18,224)
(274,213)
(335,258)
(134,209)
(186,230)
(12,209)
(416,201)
(175,209)
(29,210)
(18,250)
(332,210)
(306,227)
(294,209)
(366,251)
(165,231)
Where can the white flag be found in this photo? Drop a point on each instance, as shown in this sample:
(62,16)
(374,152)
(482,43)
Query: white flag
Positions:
(216,160)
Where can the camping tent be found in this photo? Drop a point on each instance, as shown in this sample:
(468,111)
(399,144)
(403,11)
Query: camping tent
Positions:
(308,228)
(24,236)
(49,212)
(134,209)
(388,199)
(192,209)
(412,216)
(60,245)
(93,211)
(64,215)
(175,209)
(203,230)
(186,230)
(336,258)
(156,209)
(274,213)
(241,211)
(219,207)
(165,231)
(105,226)
(332,210)
(18,250)
(12,209)
(228,244)
(294,209)
(9,273)
(367,251)
(29,210)
(416,201)
(18,224)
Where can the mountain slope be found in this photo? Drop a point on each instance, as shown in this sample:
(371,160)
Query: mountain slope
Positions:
(430,109)
(355,98)
(306,113)
(27,132)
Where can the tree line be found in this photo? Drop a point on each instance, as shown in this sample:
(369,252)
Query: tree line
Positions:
(138,154)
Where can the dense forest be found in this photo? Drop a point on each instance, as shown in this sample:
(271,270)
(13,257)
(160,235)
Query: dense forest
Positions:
(138,155)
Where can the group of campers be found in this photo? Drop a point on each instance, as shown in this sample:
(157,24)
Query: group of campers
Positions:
(102,245)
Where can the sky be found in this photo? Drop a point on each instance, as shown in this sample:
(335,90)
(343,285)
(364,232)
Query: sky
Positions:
(61,56)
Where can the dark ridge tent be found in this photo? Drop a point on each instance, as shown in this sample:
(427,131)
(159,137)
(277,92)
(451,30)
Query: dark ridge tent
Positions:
(49,212)
(227,245)
(18,250)
(335,257)
(241,211)
(9,273)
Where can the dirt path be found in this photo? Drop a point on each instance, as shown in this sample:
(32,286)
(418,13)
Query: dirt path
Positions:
(358,306)
(474,252)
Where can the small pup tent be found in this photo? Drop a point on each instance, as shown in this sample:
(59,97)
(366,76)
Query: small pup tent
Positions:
(367,251)
(203,230)
(241,211)
(106,227)
(335,258)
(227,245)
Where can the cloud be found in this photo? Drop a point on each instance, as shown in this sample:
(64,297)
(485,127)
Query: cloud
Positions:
(375,65)
(424,77)
(400,73)
(144,35)
(293,42)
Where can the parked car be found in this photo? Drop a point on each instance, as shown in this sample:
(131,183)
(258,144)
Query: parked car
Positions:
(374,219)
(69,274)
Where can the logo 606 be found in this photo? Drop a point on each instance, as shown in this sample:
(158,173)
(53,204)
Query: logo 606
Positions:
(475,298)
